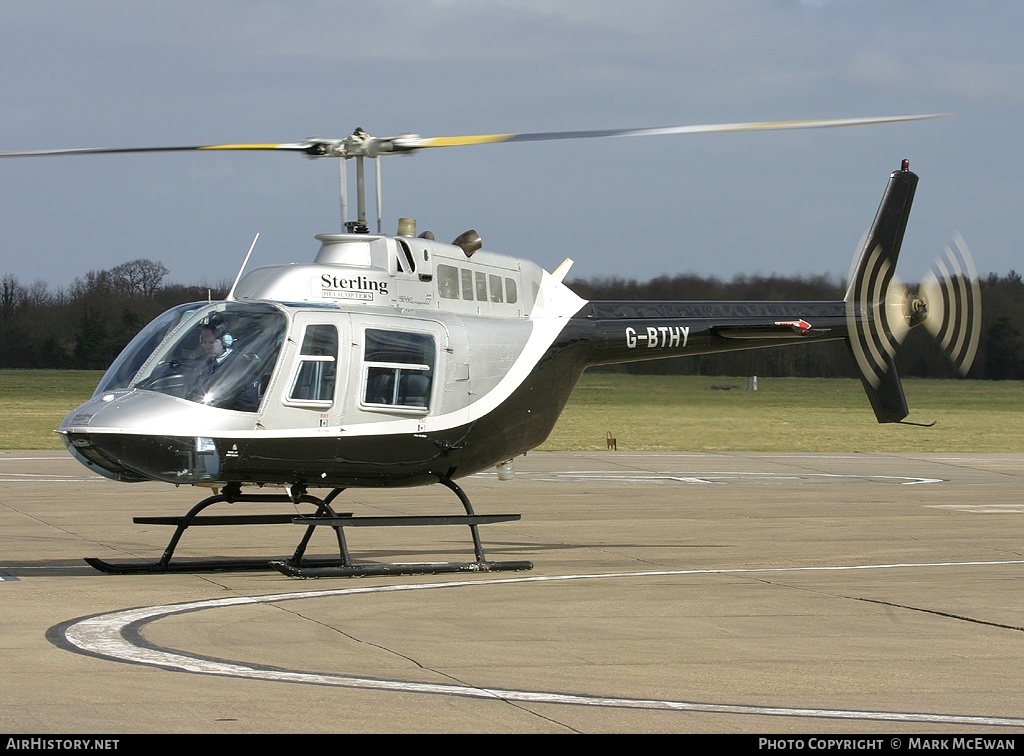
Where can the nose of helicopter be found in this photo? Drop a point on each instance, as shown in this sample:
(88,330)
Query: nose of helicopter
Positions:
(133,436)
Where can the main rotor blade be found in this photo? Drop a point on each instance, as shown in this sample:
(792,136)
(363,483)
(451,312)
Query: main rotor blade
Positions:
(413,142)
(361,144)
(293,147)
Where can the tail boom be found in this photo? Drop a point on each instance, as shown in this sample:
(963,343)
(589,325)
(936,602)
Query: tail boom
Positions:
(873,318)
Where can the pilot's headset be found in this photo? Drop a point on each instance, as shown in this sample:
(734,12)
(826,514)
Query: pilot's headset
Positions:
(217,328)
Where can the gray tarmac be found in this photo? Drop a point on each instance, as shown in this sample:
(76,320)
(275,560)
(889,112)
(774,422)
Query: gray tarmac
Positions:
(672,592)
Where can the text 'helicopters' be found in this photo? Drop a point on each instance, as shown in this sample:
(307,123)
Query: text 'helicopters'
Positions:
(398,360)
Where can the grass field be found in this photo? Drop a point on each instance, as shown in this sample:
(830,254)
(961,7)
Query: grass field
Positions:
(688,413)
(35,401)
(667,413)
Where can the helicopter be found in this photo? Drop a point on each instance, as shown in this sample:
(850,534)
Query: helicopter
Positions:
(396,360)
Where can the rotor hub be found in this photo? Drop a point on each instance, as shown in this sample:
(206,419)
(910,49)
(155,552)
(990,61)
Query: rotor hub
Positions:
(916,309)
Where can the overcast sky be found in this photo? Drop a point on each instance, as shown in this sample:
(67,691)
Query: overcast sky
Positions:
(126,73)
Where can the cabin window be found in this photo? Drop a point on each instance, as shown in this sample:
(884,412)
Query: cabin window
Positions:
(470,285)
(317,373)
(495,288)
(399,368)
(448,281)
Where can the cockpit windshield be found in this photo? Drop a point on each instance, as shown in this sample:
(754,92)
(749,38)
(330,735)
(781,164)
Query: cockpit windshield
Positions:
(223,357)
(134,356)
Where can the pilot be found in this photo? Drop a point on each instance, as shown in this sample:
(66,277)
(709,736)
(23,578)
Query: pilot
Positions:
(216,347)
(218,354)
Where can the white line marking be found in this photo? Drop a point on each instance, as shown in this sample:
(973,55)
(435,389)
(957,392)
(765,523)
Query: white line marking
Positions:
(717,476)
(35,459)
(103,635)
(981,508)
(11,478)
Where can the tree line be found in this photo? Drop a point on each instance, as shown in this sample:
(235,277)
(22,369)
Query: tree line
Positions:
(85,326)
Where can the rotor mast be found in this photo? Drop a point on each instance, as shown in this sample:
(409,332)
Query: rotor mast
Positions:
(359,145)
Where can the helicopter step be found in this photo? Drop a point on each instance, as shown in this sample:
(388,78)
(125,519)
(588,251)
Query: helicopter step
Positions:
(298,565)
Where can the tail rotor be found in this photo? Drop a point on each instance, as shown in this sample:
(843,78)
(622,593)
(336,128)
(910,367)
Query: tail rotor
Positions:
(880,310)
(951,297)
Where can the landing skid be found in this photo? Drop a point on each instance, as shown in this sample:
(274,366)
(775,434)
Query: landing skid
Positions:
(298,565)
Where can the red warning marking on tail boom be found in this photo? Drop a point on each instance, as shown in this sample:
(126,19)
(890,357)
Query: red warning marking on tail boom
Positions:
(800,326)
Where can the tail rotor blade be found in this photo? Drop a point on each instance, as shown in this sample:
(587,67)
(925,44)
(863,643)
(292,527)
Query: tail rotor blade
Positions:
(876,315)
(952,297)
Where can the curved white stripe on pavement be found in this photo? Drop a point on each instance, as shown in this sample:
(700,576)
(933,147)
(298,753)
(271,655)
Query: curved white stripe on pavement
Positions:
(104,635)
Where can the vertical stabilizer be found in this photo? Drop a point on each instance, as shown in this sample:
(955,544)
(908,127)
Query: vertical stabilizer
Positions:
(876,322)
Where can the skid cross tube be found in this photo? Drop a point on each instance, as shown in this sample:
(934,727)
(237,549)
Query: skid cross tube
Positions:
(192,518)
(294,568)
